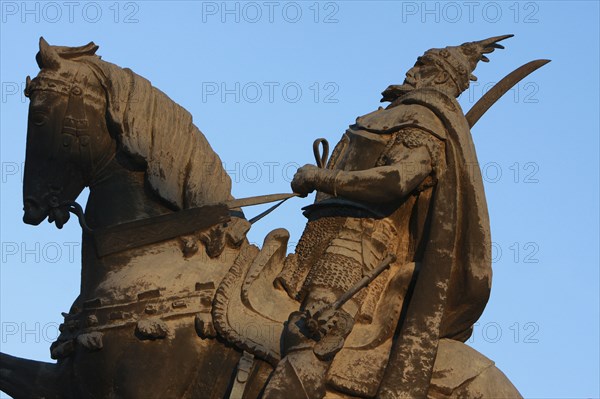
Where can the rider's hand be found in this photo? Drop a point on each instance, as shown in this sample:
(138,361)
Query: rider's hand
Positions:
(305,179)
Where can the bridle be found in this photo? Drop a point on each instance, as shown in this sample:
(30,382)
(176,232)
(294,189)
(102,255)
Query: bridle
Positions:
(73,130)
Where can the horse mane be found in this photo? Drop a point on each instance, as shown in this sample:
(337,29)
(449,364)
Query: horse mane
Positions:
(181,166)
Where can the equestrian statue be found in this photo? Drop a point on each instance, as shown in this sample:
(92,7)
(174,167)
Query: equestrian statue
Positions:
(390,275)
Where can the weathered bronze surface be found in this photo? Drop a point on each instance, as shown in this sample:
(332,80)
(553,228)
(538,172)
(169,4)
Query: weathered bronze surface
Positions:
(392,270)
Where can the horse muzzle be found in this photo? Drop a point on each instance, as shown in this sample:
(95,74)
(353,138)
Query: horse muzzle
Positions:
(35,212)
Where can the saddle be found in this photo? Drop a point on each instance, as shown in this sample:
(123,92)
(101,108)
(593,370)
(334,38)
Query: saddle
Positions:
(250,311)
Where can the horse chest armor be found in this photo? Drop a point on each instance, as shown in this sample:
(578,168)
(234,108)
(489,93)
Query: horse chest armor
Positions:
(148,317)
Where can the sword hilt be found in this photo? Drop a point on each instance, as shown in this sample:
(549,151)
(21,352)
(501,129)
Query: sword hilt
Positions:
(314,321)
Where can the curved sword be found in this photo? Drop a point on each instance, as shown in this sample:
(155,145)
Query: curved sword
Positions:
(494,94)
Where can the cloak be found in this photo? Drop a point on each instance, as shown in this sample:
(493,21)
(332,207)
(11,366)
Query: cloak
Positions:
(454,280)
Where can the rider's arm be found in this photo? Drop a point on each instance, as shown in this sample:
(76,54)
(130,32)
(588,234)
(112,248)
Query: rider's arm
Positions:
(380,184)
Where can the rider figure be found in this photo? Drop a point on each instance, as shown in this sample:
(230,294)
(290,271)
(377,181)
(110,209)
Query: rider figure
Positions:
(374,199)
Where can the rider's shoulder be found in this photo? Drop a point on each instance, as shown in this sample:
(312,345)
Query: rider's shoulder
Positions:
(389,120)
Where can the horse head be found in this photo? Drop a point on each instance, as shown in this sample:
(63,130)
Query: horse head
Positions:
(68,142)
(85,113)
(92,123)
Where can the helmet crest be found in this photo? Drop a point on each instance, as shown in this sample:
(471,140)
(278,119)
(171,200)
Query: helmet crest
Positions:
(461,61)
(458,62)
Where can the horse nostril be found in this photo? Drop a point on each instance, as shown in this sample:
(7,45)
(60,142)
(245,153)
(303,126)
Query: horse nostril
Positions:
(30,204)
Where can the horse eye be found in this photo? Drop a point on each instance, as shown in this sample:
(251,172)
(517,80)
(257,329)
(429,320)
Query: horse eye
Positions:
(38,118)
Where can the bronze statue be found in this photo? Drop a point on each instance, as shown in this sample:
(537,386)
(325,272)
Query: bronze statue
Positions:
(391,273)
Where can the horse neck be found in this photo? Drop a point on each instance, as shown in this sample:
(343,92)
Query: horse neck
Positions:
(119,195)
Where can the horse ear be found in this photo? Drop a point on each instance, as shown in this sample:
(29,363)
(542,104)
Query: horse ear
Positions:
(75,52)
(27,90)
(47,57)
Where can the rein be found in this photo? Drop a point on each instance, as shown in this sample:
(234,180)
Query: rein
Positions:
(77,210)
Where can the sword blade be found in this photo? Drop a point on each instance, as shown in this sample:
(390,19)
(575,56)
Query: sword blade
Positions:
(496,92)
(155,229)
(259,199)
(141,232)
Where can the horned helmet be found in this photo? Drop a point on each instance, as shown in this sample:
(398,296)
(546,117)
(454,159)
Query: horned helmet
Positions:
(448,69)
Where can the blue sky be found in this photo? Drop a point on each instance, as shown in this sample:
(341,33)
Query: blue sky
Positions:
(264,79)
